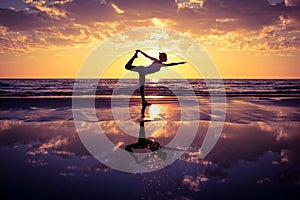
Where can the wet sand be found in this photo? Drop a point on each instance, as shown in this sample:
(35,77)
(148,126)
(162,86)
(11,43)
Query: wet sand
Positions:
(256,157)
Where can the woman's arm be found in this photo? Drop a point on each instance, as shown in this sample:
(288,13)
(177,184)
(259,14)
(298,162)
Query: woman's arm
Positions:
(147,56)
(172,64)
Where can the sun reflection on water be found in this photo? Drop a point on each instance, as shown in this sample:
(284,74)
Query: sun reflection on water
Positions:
(157,112)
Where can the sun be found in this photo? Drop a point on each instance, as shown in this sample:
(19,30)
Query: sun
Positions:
(154,80)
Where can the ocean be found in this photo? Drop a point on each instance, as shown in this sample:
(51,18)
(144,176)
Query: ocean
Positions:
(233,87)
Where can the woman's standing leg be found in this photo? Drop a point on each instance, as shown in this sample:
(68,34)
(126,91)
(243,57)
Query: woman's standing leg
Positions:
(142,78)
(142,84)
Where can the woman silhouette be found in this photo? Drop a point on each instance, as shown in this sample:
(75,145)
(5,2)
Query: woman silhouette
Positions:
(143,71)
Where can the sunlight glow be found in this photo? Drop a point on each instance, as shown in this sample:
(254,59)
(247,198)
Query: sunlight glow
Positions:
(116,68)
(158,22)
(189,3)
(154,80)
(118,145)
(156,111)
(154,97)
(117,9)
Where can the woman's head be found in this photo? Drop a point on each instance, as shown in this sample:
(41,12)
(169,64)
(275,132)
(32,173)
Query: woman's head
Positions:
(163,57)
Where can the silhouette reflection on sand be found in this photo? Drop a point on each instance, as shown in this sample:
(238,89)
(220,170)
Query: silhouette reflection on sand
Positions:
(147,144)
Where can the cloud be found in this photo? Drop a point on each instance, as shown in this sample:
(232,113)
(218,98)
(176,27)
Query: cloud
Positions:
(22,20)
(232,15)
(87,12)
(292,2)
(221,24)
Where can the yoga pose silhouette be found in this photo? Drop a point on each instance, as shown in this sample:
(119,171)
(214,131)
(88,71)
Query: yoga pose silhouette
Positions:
(145,144)
(143,71)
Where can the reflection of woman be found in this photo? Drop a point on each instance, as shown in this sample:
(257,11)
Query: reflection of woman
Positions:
(143,71)
(156,149)
(144,143)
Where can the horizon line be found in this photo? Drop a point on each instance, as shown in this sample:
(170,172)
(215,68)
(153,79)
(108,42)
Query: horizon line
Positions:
(225,78)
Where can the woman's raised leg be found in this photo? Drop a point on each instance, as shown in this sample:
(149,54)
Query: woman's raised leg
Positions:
(129,65)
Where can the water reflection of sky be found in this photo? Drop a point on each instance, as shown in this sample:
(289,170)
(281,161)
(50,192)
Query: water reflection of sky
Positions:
(258,153)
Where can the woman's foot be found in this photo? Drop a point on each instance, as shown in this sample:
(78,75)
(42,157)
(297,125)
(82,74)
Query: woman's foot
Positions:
(136,54)
(145,103)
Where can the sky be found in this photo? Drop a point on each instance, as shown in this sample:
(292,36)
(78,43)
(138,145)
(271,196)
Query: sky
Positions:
(244,38)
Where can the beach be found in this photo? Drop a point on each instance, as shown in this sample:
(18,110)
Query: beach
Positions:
(150,100)
(256,156)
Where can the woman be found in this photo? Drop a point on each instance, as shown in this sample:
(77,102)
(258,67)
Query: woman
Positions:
(143,71)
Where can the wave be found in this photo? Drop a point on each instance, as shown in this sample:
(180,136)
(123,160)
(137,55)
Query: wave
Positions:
(105,87)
